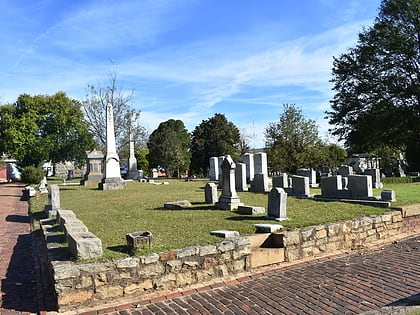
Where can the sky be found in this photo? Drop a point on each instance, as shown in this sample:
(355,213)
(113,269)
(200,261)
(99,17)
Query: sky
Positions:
(184,59)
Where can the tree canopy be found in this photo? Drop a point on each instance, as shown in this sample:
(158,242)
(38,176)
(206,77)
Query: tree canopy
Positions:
(215,136)
(293,141)
(377,84)
(169,147)
(44,128)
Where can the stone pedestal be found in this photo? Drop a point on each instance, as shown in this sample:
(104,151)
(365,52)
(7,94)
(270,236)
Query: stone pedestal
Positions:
(114,183)
(229,199)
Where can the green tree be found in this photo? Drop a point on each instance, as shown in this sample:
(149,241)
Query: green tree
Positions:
(44,128)
(142,162)
(169,147)
(292,142)
(377,84)
(215,136)
(333,156)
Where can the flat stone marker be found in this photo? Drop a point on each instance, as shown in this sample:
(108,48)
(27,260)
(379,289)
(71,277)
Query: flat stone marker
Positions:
(84,245)
(250,210)
(388,195)
(177,205)
(267,228)
(277,200)
(137,239)
(225,233)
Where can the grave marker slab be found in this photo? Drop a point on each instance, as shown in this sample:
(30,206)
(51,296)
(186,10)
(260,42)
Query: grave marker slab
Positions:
(277,201)
(210,193)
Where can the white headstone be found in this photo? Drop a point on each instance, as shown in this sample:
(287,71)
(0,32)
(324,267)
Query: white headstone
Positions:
(248,159)
(214,168)
(133,173)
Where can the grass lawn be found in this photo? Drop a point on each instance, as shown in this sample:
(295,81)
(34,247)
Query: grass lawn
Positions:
(110,215)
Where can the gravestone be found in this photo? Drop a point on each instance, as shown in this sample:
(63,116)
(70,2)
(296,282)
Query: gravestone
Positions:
(277,200)
(94,168)
(345,170)
(53,200)
(250,210)
(229,199)
(248,159)
(260,163)
(360,186)
(260,183)
(310,174)
(388,195)
(133,173)
(240,177)
(112,177)
(300,185)
(281,180)
(376,177)
(331,185)
(220,162)
(210,193)
(43,186)
(214,168)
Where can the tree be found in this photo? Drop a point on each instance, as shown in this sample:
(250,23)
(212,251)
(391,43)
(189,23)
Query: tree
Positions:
(169,147)
(293,141)
(215,136)
(377,84)
(44,128)
(126,118)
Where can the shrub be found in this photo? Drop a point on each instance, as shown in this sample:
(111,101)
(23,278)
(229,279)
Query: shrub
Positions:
(32,175)
(396,180)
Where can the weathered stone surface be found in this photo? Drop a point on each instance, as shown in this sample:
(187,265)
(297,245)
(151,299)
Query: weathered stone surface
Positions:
(109,292)
(74,227)
(149,259)
(267,228)
(64,213)
(177,205)
(65,271)
(76,297)
(210,193)
(130,262)
(225,246)
(188,251)
(168,255)
(136,288)
(207,250)
(84,245)
(250,210)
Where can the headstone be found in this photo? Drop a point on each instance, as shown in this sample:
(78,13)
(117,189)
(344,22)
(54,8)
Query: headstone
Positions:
(281,180)
(376,177)
(220,162)
(331,185)
(300,185)
(94,168)
(43,186)
(53,200)
(345,170)
(229,199)
(133,173)
(388,195)
(177,205)
(260,183)
(214,168)
(154,172)
(138,239)
(225,233)
(210,193)
(267,228)
(310,173)
(277,200)
(250,210)
(112,177)
(360,186)
(248,159)
(260,163)
(240,177)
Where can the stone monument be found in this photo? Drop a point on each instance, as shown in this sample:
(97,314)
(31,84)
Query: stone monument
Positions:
(133,172)
(229,199)
(94,168)
(277,200)
(112,177)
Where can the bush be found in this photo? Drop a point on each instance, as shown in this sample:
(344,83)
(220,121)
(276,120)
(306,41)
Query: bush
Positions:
(32,175)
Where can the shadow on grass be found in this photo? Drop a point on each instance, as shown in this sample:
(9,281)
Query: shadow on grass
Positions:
(247,218)
(195,206)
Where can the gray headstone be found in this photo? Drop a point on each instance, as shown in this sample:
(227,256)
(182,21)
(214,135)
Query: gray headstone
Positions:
(240,177)
(210,193)
(214,168)
(229,199)
(300,185)
(360,186)
(250,210)
(281,180)
(307,172)
(376,177)
(248,159)
(331,185)
(277,200)
(260,163)
(260,183)
(388,195)
(345,170)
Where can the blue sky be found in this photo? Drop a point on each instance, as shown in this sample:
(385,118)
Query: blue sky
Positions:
(185,59)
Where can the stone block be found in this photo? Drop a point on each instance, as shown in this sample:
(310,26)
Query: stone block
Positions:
(64,213)
(266,256)
(360,186)
(250,210)
(139,239)
(267,228)
(210,193)
(224,233)
(74,227)
(84,245)
(177,205)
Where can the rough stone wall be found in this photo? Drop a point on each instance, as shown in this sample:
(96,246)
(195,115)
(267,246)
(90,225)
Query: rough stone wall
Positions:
(313,240)
(84,285)
(61,169)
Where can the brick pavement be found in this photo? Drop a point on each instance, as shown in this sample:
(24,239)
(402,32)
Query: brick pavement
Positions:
(351,283)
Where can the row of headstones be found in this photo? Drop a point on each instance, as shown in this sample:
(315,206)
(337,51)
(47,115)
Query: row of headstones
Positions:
(346,170)
(277,200)
(82,243)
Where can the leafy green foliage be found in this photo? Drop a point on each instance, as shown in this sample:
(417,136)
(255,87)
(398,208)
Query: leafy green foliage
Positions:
(293,142)
(44,128)
(32,175)
(215,136)
(142,162)
(169,147)
(377,84)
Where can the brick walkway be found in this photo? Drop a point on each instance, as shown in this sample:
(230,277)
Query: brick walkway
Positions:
(351,284)
(17,272)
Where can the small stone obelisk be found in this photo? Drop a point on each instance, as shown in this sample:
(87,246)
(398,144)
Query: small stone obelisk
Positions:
(133,173)
(112,177)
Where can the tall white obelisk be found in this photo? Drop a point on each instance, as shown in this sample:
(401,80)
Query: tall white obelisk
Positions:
(133,173)
(112,177)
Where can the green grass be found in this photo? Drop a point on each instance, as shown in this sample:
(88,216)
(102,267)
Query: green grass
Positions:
(110,215)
